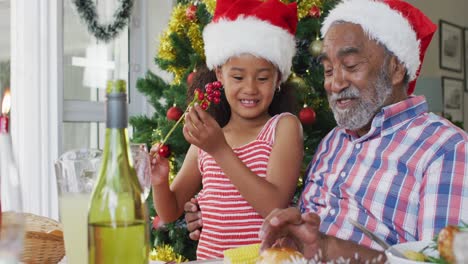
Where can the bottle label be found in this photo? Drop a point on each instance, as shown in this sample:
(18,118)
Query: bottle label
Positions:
(116,110)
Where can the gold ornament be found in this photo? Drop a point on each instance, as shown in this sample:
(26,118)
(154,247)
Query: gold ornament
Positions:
(297,81)
(315,47)
(304,6)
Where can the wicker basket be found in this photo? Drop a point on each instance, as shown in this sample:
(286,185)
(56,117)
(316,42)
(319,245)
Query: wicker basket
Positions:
(43,240)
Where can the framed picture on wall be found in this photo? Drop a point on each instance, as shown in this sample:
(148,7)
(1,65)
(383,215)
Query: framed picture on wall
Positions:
(452,93)
(466,59)
(451,46)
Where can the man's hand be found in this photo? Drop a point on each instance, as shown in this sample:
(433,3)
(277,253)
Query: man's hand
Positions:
(288,228)
(193,218)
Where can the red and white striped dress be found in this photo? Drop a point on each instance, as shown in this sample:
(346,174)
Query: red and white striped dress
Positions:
(229,221)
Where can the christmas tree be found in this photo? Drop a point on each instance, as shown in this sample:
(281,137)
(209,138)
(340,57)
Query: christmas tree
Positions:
(181,53)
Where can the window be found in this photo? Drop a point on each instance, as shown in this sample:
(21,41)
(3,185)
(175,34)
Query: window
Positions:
(4,46)
(43,108)
(88,64)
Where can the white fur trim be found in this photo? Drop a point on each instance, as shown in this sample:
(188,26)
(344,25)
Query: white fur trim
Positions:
(226,38)
(384,25)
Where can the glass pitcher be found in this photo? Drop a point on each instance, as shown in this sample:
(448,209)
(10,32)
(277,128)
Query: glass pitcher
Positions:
(76,172)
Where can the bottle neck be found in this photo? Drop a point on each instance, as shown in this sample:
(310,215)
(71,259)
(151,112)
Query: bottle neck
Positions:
(116,142)
(116,111)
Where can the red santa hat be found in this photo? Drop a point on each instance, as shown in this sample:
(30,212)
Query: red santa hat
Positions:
(265,29)
(400,27)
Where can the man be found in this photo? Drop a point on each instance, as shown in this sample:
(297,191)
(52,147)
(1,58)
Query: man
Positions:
(389,164)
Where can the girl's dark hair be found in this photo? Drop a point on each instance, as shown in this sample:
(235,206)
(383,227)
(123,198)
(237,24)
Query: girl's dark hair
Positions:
(283,101)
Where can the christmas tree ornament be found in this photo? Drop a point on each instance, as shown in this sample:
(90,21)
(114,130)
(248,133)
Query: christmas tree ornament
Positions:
(307,115)
(190,78)
(174,113)
(315,47)
(164,151)
(297,81)
(314,12)
(191,12)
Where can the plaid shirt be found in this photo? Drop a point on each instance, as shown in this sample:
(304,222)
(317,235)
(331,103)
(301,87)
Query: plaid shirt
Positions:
(406,179)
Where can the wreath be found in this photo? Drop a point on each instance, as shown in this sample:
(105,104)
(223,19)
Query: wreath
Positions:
(87,11)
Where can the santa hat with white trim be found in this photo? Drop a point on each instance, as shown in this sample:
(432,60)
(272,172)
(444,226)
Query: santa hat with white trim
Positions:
(265,29)
(400,27)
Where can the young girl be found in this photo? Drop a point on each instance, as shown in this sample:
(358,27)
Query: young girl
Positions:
(248,159)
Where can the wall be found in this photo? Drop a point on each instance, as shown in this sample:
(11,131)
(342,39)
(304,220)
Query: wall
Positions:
(455,12)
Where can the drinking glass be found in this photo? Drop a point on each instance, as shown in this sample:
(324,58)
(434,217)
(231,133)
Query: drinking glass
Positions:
(76,172)
(141,163)
(11,206)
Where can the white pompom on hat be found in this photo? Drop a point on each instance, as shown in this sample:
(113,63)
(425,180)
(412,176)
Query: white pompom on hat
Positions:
(400,27)
(264,29)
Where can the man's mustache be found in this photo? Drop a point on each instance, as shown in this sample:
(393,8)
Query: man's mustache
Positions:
(348,93)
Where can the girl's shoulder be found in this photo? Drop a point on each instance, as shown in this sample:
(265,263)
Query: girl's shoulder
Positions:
(284,123)
(287,120)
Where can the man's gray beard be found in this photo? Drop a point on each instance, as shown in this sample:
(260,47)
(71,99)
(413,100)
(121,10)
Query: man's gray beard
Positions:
(362,114)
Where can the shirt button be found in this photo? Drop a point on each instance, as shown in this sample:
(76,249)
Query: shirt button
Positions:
(343,174)
(358,146)
(332,211)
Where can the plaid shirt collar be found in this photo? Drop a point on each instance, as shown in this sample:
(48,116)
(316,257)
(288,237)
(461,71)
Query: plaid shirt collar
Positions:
(391,118)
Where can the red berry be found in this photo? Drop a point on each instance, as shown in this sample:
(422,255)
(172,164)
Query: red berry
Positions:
(217,93)
(210,97)
(217,85)
(174,113)
(201,96)
(204,105)
(164,151)
(216,100)
(209,88)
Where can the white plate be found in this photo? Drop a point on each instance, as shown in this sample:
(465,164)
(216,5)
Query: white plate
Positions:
(414,246)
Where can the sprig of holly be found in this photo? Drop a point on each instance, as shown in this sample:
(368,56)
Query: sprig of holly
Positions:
(211,95)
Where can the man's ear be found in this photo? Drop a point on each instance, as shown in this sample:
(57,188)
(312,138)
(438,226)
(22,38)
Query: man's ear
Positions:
(219,74)
(397,71)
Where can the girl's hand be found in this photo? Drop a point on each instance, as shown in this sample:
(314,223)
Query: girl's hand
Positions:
(202,130)
(159,167)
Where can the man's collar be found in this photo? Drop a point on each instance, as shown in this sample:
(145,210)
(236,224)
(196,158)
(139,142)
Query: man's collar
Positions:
(392,117)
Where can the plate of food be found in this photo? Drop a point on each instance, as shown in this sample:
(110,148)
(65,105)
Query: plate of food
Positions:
(417,252)
(442,249)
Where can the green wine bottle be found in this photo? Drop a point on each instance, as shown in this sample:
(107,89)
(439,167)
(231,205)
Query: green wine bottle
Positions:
(117,217)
